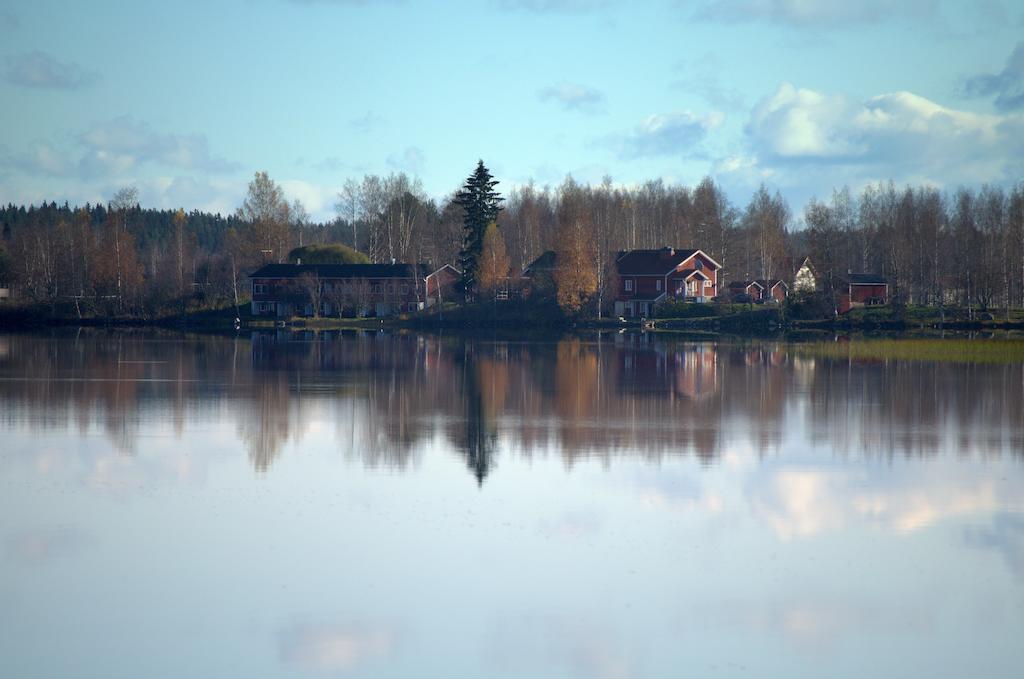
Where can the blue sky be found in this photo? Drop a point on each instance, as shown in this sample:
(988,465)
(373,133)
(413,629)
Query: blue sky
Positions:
(186,100)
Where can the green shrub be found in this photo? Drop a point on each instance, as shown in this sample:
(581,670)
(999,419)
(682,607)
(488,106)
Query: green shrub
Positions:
(685,310)
(327,253)
(809,306)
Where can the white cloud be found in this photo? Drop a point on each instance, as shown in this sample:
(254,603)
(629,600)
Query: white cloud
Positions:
(816,13)
(574,97)
(114,149)
(318,199)
(122,143)
(805,135)
(41,158)
(667,134)
(38,69)
(218,195)
(801,123)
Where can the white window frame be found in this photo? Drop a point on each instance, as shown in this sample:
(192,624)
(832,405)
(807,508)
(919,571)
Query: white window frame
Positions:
(629,284)
(657,285)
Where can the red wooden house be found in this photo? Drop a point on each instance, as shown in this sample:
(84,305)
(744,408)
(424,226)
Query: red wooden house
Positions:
(649,277)
(860,289)
(746,291)
(761,290)
(774,289)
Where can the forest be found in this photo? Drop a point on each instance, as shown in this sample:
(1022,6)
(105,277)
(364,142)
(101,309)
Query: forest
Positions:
(964,247)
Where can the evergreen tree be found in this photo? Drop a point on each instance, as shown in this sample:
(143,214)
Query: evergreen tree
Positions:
(481,205)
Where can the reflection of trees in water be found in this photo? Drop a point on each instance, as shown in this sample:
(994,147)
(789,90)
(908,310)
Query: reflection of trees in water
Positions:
(265,421)
(917,409)
(390,395)
(484,385)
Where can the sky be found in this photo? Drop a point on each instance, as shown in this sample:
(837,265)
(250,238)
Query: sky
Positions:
(187,100)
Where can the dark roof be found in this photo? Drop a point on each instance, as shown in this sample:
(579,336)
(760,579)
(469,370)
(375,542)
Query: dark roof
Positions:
(864,279)
(546,262)
(769,283)
(806,261)
(403,270)
(651,262)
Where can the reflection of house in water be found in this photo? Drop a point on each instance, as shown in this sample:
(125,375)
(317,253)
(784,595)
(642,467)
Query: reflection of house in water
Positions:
(389,397)
(670,370)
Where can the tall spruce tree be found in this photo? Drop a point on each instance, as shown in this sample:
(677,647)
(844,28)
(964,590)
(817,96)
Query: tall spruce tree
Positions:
(481,205)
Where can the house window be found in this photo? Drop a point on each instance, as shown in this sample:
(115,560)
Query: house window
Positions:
(698,265)
(259,289)
(657,285)
(629,285)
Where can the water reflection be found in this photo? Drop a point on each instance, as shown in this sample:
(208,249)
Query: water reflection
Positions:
(611,396)
(364,504)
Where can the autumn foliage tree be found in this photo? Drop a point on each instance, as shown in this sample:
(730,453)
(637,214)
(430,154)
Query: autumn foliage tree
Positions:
(575,274)
(494,261)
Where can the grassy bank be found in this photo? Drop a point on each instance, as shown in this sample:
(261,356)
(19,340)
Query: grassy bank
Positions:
(991,351)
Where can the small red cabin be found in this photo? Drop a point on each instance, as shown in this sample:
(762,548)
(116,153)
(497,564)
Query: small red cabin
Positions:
(861,289)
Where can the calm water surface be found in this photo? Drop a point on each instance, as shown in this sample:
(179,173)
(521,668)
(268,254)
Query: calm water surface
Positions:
(369,505)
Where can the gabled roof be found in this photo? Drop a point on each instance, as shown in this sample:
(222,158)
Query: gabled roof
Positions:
(769,283)
(403,270)
(547,261)
(806,261)
(446,266)
(864,279)
(688,273)
(655,262)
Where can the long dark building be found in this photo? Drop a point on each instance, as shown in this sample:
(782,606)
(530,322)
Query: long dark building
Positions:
(358,290)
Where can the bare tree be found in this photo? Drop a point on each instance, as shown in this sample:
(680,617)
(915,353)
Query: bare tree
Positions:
(266,208)
(314,289)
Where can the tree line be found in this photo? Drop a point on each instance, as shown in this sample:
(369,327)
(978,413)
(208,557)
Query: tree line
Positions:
(964,247)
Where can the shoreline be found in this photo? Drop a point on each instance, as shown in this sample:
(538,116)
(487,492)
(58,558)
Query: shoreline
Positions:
(758,323)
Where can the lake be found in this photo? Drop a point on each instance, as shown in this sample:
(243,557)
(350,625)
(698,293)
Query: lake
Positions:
(400,505)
